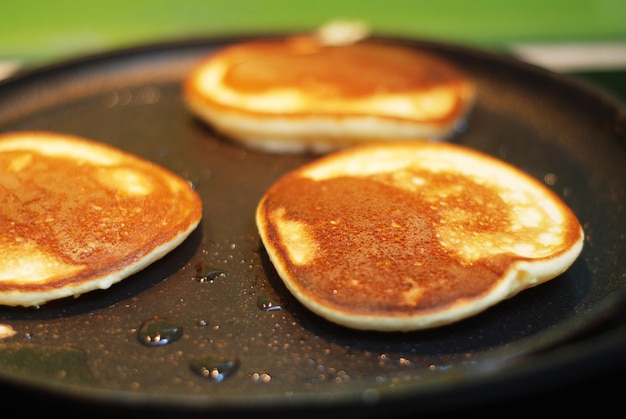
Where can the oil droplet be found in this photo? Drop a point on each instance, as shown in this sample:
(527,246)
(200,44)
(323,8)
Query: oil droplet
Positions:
(157,331)
(208,273)
(264,302)
(214,367)
(550,179)
(261,377)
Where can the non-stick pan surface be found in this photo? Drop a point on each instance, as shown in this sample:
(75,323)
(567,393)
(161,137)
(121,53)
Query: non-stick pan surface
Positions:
(218,287)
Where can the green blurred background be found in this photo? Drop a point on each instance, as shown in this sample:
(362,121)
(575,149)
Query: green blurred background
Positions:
(36,32)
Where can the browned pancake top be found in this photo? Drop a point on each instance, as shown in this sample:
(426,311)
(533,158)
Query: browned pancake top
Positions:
(301,75)
(330,71)
(390,231)
(74,211)
(353,215)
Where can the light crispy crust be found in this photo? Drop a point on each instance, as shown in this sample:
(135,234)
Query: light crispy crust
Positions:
(77,215)
(403,236)
(298,94)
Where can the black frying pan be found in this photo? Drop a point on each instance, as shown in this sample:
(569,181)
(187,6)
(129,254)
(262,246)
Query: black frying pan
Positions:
(87,350)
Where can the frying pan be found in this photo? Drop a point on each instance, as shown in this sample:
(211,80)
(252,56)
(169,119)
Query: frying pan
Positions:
(222,303)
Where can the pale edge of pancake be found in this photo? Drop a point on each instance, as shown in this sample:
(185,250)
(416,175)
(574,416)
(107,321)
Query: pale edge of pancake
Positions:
(318,134)
(38,298)
(521,276)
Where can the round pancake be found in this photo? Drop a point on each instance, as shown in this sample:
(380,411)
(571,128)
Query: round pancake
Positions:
(77,215)
(402,236)
(302,93)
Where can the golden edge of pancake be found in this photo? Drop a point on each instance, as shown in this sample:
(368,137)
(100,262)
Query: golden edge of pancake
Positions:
(290,120)
(513,283)
(530,270)
(46,252)
(36,299)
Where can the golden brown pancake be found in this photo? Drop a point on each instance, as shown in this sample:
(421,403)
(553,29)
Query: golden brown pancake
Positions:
(302,93)
(402,236)
(77,215)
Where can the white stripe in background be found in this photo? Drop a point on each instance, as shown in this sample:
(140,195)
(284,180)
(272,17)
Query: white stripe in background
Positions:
(571,57)
(7,68)
(560,57)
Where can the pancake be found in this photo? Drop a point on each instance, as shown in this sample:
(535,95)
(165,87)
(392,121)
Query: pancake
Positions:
(306,94)
(77,215)
(403,236)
